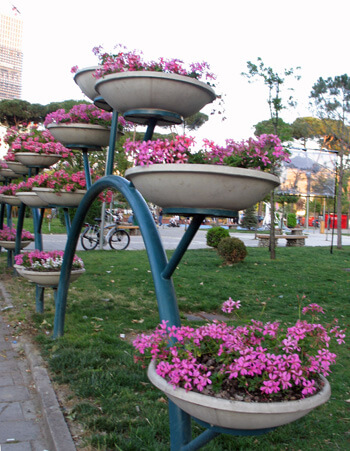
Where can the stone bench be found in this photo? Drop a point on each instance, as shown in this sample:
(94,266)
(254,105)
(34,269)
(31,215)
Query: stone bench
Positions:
(264,240)
(292,240)
(133,230)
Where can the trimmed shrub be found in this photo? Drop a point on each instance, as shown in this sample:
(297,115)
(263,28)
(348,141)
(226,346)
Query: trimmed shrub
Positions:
(215,235)
(291,220)
(232,250)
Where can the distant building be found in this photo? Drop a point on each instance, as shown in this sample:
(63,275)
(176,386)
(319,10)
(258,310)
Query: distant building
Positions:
(11,54)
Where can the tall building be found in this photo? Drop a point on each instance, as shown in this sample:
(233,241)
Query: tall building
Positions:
(11,55)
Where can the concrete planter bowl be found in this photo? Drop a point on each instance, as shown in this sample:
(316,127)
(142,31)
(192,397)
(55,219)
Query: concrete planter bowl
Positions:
(31,199)
(173,93)
(80,134)
(11,245)
(49,278)
(86,82)
(11,200)
(17,167)
(200,186)
(60,198)
(32,159)
(237,414)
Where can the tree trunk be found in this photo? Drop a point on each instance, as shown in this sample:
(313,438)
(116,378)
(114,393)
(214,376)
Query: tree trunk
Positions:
(272,246)
(339,199)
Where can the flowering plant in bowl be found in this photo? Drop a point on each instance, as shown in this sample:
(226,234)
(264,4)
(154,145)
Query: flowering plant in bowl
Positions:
(9,190)
(254,362)
(130,61)
(60,180)
(9,234)
(80,114)
(38,142)
(45,261)
(263,153)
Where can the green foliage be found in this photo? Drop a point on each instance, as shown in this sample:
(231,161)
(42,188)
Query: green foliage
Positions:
(274,83)
(232,250)
(93,212)
(291,220)
(284,130)
(15,112)
(215,235)
(112,402)
(195,121)
(250,220)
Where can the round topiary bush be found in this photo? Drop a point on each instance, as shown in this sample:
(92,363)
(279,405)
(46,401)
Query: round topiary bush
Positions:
(215,235)
(232,250)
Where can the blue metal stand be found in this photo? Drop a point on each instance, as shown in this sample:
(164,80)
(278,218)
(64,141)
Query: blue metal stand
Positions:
(162,270)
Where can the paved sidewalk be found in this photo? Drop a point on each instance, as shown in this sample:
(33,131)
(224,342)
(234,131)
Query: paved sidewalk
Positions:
(30,417)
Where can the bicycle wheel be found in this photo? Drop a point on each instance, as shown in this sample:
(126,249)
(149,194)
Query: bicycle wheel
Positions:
(90,238)
(119,240)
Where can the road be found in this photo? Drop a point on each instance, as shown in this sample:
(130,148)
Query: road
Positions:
(171,236)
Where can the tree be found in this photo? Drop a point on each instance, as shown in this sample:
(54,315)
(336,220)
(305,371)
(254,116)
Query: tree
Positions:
(331,99)
(16,112)
(285,131)
(274,82)
(195,121)
(250,220)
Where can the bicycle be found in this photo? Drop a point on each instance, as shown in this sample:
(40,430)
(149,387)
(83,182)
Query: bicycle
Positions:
(117,238)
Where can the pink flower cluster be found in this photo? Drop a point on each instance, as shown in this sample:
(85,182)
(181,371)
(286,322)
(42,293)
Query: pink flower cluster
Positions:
(37,141)
(263,153)
(45,261)
(9,234)
(160,151)
(81,113)
(267,357)
(124,60)
(59,181)
(9,190)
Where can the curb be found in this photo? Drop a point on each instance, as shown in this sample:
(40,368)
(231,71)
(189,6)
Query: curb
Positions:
(56,429)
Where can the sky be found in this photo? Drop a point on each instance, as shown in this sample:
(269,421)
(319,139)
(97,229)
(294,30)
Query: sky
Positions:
(312,34)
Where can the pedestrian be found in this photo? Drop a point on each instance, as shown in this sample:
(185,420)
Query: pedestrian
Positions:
(160,218)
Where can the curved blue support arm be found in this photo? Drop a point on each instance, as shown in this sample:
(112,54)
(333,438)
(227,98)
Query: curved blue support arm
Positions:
(164,287)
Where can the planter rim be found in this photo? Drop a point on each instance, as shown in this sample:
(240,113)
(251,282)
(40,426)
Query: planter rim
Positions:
(44,273)
(79,125)
(239,406)
(202,168)
(45,155)
(85,69)
(50,190)
(26,196)
(154,74)
(23,241)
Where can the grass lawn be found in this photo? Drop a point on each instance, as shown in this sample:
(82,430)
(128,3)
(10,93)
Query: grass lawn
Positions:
(109,396)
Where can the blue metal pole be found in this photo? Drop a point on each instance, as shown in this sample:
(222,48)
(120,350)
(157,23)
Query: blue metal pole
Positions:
(182,246)
(67,219)
(164,288)
(112,140)
(37,229)
(150,129)
(20,220)
(86,167)
(39,299)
